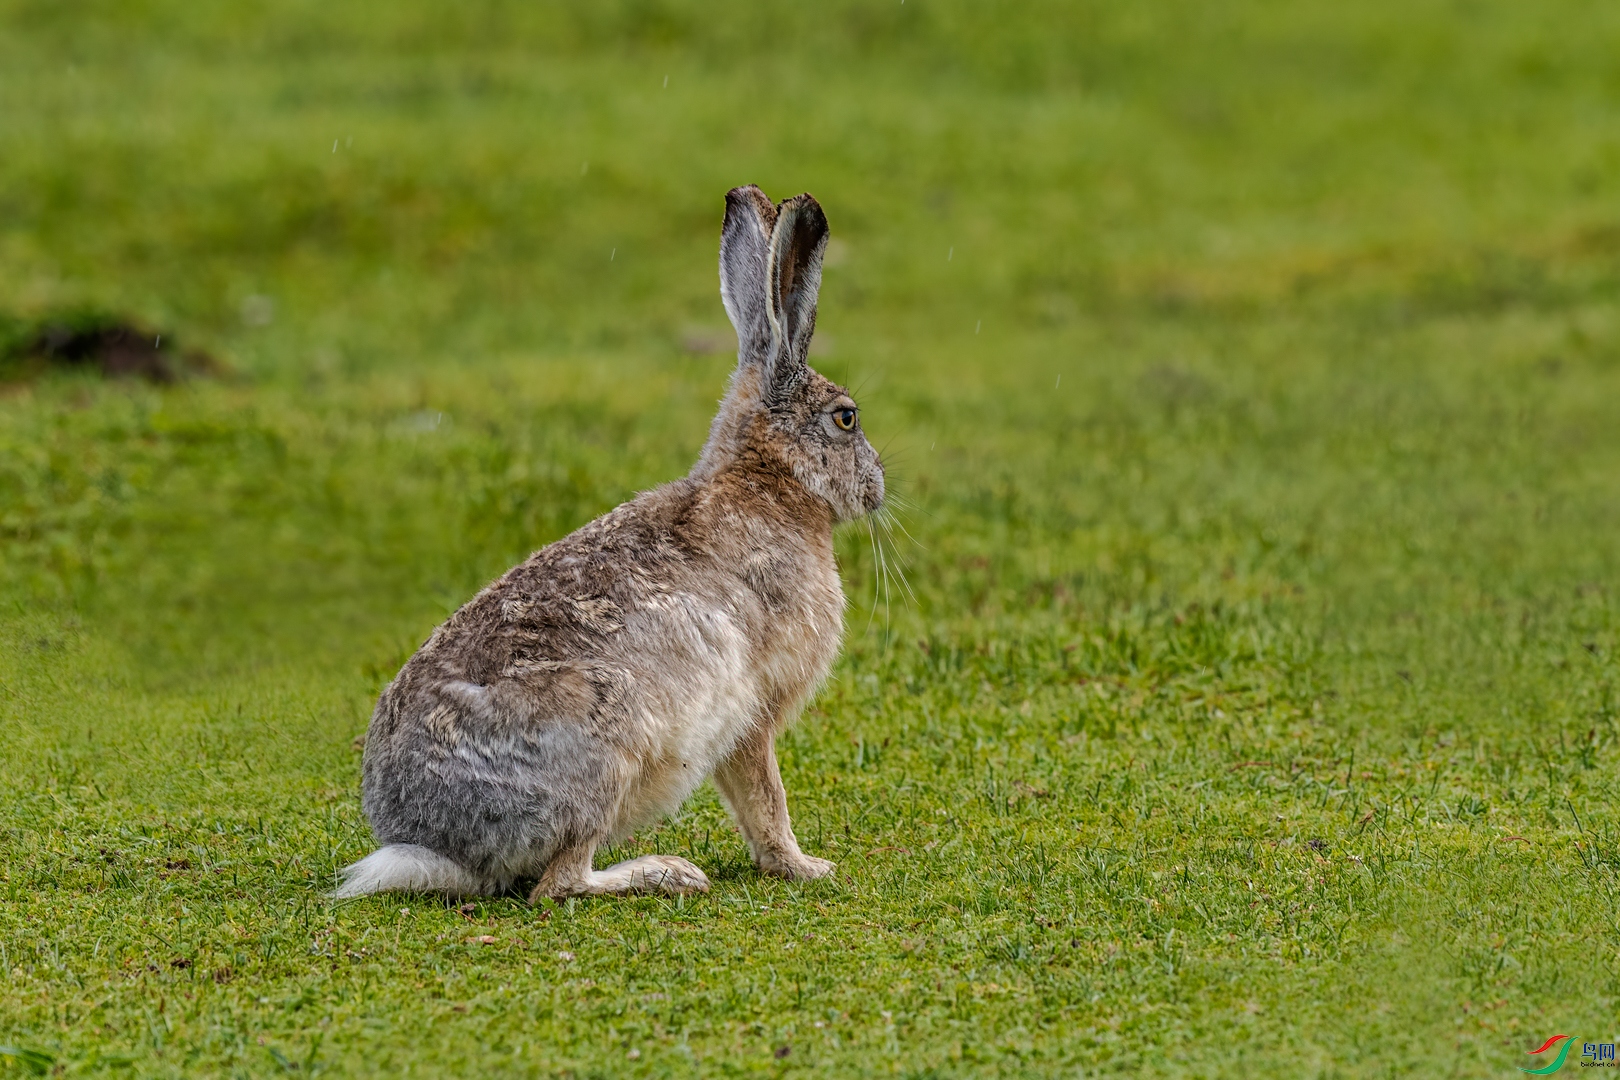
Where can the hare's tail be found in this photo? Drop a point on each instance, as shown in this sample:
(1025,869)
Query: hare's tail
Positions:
(405,868)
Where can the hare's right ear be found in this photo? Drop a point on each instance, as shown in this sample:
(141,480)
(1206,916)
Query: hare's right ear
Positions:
(745,245)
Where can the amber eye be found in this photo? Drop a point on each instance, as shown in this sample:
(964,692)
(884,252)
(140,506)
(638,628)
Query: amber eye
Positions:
(845,418)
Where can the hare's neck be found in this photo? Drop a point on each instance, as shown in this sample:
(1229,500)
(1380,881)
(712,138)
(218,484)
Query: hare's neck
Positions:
(759,503)
(727,440)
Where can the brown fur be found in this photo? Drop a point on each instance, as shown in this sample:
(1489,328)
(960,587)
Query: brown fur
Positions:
(593,687)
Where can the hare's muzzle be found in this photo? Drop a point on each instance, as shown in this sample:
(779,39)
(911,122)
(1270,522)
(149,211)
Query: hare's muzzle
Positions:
(872,492)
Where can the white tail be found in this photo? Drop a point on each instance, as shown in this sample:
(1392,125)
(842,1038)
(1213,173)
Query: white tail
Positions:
(405,868)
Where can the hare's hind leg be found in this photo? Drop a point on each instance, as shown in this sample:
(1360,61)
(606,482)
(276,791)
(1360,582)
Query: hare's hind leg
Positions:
(569,874)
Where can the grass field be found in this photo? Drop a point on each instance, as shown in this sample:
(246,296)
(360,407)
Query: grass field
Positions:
(1252,372)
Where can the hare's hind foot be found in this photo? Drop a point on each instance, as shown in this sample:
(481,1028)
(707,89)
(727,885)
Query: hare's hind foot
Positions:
(571,876)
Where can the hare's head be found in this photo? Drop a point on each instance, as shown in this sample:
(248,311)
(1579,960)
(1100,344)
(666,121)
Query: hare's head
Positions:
(778,412)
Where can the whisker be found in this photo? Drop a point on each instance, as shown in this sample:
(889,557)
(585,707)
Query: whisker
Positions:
(887,576)
(899,565)
(914,509)
(891,522)
(883,451)
(902,502)
(873,613)
(898,524)
(888,570)
(899,577)
(896,501)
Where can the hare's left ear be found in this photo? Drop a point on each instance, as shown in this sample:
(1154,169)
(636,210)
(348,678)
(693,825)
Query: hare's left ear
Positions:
(793,278)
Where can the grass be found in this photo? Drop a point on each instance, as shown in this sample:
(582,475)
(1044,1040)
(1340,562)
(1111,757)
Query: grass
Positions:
(1252,373)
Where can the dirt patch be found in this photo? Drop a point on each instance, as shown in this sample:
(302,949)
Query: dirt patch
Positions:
(108,345)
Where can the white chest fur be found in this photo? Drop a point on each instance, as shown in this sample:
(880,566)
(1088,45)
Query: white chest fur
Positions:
(718,681)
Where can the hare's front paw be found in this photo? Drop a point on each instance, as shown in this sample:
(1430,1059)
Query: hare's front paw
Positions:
(796,866)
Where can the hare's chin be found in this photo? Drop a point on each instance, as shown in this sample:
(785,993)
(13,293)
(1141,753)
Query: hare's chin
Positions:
(874,496)
(855,505)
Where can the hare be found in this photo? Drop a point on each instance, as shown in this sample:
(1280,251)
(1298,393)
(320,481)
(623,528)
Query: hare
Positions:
(592,688)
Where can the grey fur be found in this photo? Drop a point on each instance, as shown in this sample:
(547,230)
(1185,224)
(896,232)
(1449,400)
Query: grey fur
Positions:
(592,688)
(793,280)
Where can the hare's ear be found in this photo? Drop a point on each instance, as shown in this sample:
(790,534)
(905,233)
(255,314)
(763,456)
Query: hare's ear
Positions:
(745,244)
(798,243)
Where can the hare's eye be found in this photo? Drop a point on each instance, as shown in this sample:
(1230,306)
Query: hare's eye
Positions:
(845,418)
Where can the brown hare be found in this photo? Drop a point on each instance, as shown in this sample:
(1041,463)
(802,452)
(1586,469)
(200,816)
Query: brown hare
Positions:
(592,688)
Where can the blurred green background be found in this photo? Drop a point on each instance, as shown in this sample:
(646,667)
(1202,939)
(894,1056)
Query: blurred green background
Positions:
(1250,377)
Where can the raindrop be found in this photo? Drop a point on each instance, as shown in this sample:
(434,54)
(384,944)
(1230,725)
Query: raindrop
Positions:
(978,323)
(666,82)
(1058,383)
(613,254)
(951,254)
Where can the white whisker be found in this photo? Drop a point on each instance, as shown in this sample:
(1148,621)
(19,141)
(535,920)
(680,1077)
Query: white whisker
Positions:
(887,521)
(873,613)
(892,520)
(888,588)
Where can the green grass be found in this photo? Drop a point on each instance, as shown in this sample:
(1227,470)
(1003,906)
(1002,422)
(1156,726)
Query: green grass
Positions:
(1253,371)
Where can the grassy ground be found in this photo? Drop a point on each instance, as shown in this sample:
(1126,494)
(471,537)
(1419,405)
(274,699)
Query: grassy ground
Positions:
(1253,369)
